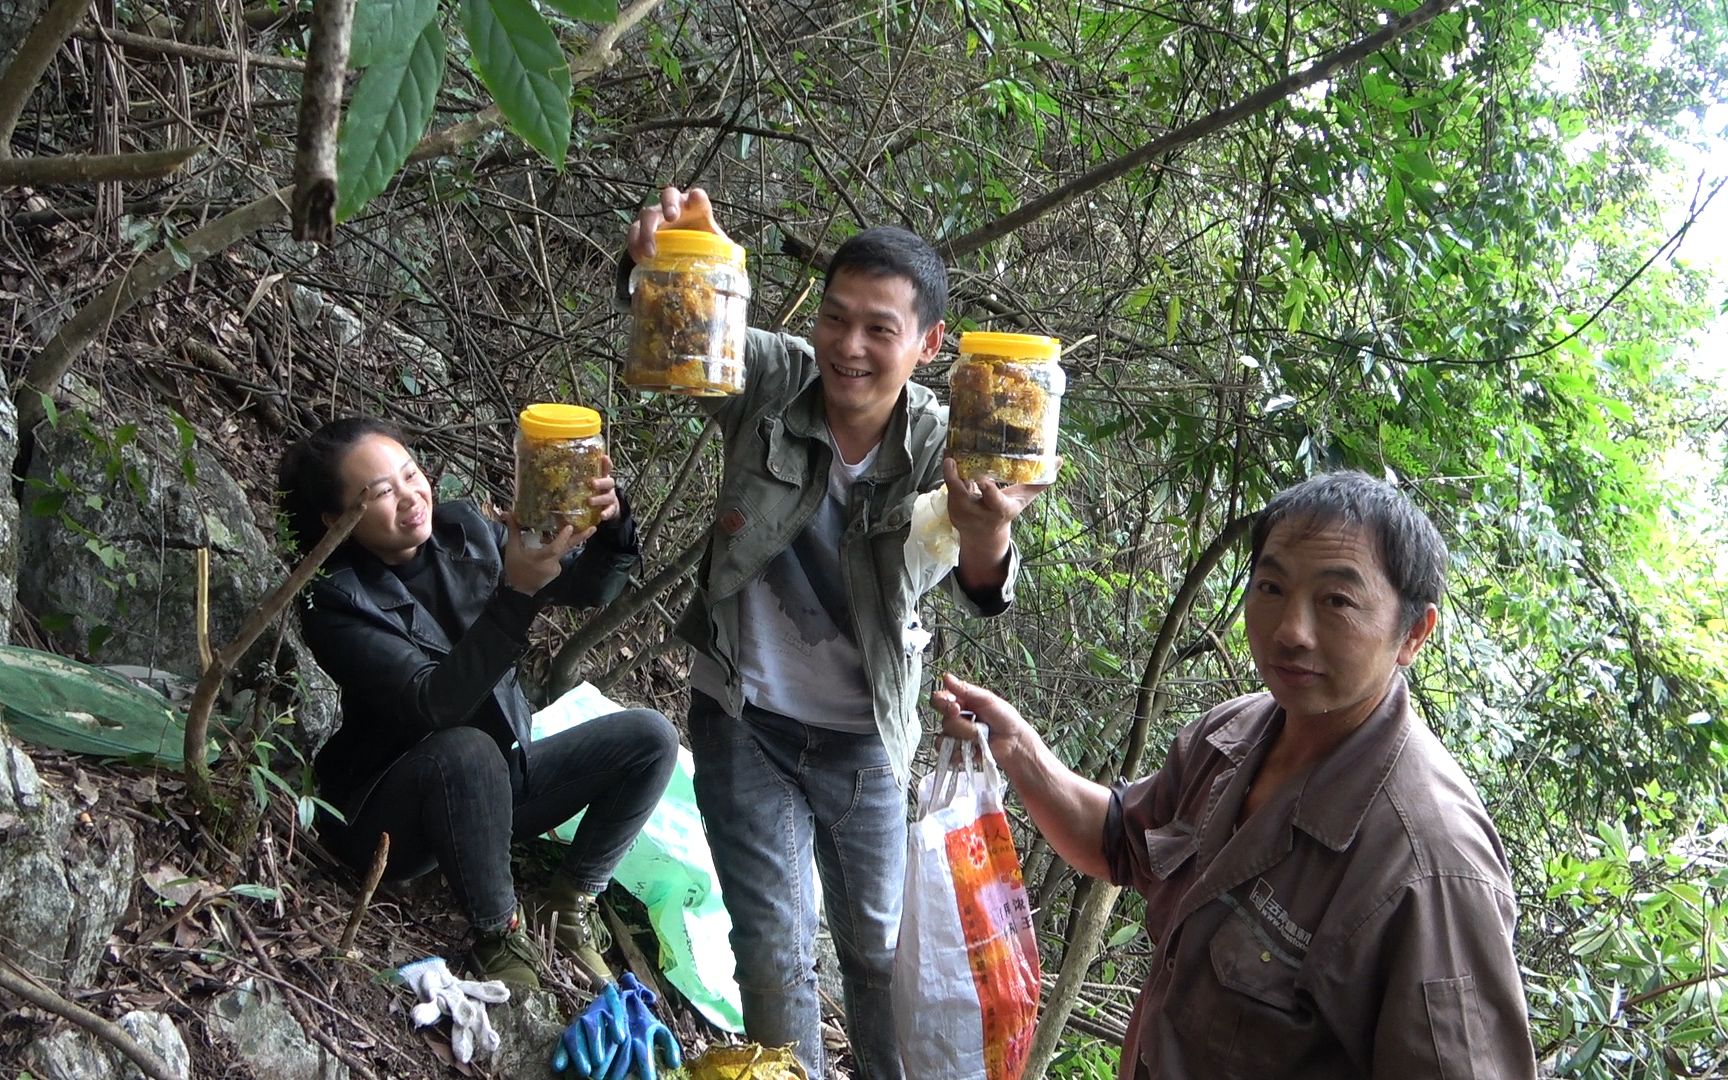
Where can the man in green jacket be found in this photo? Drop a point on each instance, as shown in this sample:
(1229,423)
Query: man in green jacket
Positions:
(808,645)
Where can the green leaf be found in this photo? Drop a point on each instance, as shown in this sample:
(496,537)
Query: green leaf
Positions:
(255,892)
(1172,316)
(1123,936)
(522,66)
(595,11)
(1047,51)
(387,29)
(392,106)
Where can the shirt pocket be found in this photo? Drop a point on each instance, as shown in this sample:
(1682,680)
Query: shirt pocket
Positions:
(1259,1024)
(1455,1021)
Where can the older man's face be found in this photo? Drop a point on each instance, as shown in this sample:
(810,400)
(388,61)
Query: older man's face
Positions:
(1324,622)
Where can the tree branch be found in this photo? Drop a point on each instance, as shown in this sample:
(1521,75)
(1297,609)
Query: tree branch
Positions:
(1212,122)
(568,663)
(14,982)
(31,60)
(156,46)
(67,169)
(320,117)
(204,697)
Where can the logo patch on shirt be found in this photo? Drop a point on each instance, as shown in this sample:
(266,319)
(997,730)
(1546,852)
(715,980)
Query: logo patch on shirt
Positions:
(1275,916)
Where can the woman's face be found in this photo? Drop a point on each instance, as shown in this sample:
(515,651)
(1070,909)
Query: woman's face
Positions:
(398,516)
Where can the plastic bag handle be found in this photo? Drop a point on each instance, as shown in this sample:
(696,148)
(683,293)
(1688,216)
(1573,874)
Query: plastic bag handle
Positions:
(945,781)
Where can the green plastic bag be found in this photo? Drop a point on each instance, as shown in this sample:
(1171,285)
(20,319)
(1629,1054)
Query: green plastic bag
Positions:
(669,869)
(51,701)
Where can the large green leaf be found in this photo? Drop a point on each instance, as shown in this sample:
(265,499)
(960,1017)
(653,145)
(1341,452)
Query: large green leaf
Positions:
(598,11)
(49,700)
(521,64)
(392,106)
(386,29)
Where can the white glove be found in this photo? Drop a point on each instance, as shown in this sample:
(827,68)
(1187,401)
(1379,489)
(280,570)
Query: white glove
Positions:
(462,1000)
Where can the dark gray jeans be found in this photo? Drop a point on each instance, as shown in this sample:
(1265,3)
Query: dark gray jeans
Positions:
(454,802)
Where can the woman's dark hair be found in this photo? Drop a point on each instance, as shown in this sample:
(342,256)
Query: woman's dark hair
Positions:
(886,251)
(309,479)
(1410,548)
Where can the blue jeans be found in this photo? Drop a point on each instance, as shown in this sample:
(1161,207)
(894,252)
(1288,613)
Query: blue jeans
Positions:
(454,801)
(773,793)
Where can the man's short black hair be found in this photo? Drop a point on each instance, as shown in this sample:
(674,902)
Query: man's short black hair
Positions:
(1411,550)
(886,251)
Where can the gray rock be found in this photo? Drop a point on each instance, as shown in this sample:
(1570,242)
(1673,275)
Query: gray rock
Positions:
(528,1028)
(267,1037)
(74,1054)
(66,883)
(8,504)
(112,544)
(157,1034)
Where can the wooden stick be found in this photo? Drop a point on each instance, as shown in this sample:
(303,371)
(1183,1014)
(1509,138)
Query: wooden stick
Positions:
(374,874)
(15,982)
(156,46)
(202,611)
(68,169)
(320,116)
(197,770)
(31,60)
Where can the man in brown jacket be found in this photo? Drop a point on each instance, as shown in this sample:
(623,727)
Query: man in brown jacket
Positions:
(1326,893)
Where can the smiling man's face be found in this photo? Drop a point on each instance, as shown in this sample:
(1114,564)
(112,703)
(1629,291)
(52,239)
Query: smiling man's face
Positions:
(868,343)
(1325,623)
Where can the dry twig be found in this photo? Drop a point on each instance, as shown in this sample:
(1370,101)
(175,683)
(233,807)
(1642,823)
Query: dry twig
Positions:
(15,982)
(320,116)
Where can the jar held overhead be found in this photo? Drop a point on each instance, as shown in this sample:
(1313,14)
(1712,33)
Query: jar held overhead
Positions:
(1005,407)
(689,306)
(559,452)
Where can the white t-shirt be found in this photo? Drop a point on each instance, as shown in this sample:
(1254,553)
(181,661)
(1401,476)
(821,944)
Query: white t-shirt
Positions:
(795,646)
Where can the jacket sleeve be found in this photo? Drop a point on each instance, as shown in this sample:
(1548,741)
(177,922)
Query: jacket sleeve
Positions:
(1433,977)
(987,603)
(597,574)
(383,673)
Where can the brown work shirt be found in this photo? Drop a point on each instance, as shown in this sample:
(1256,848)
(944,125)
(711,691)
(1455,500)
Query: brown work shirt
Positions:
(1359,924)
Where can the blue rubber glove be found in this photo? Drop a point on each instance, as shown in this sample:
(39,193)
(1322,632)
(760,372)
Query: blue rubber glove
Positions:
(649,1038)
(596,1045)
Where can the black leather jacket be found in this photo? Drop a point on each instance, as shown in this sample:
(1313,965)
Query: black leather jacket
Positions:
(400,676)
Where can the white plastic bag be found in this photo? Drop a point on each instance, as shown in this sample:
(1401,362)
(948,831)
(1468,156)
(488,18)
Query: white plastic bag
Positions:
(966,972)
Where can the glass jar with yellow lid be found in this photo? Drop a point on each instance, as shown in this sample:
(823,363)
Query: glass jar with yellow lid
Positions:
(1005,406)
(558,452)
(690,309)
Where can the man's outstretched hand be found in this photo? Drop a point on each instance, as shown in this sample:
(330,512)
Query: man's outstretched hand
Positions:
(677,210)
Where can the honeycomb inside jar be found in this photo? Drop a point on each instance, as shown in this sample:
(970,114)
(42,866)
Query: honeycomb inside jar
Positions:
(688,330)
(554,480)
(1003,417)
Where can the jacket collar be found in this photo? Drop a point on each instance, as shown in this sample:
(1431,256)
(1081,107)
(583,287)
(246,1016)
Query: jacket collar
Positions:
(1338,791)
(807,417)
(1347,782)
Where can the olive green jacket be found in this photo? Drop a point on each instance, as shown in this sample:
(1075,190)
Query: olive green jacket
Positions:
(777,457)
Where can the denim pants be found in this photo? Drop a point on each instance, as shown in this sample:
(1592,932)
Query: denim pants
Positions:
(455,802)
(777,795)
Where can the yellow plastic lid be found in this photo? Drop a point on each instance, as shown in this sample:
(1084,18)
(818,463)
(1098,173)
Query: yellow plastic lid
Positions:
(1015,346)
(677,243)
(552,421)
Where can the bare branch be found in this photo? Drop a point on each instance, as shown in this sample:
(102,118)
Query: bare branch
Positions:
(320,117)
(14,982)
(69,169)
(31,60)
(156,46)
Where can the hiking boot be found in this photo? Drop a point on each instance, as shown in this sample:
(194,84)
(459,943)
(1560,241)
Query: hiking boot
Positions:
(571,917)
(506,955)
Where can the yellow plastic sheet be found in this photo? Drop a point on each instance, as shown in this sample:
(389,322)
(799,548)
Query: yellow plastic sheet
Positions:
(747,1062)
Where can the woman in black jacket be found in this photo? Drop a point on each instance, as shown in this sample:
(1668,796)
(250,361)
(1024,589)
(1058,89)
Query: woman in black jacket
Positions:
(420,618)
